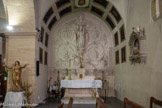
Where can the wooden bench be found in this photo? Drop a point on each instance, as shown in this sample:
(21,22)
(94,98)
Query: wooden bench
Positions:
(100,103)
(155,101)
(70,103)
(131,104)
(61,106)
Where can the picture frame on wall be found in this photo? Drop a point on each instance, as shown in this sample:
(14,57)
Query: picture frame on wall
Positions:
(45,58)
(116,40)
(122,33)
(41,55)
(117,57)
(37,68)
(42,35)
(46,40)
(123,54)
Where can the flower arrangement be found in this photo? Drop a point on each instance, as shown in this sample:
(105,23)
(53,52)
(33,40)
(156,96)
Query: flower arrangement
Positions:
(5,73)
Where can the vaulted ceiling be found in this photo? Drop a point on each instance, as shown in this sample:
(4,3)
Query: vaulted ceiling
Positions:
(103,9)
(53,10)
(2,17)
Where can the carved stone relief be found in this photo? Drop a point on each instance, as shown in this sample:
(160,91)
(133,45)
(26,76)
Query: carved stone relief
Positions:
(81,34)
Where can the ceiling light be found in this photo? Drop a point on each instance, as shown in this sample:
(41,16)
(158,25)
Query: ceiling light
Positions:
(10,27)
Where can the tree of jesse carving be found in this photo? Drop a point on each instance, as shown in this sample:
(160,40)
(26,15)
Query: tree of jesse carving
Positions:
(82,37)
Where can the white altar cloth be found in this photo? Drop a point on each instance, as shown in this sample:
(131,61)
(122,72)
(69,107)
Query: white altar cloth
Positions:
(14,100)
(81,83)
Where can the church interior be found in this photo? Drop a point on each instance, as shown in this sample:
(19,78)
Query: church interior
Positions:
(81,53)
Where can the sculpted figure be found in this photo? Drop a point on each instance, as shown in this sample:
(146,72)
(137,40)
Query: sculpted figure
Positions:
(16,76)
(136,47)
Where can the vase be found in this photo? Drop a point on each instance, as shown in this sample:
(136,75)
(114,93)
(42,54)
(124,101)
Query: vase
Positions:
(5,78)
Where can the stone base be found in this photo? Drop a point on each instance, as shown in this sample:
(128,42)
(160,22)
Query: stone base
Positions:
(14,100)
(79,100)
(78,92)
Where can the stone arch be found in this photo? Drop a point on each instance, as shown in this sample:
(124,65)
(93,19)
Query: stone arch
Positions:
(107,13)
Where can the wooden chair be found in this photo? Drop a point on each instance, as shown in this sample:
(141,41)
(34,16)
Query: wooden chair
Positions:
(100,103)
(70,103)
(155,101)
(61,106)
(131,104)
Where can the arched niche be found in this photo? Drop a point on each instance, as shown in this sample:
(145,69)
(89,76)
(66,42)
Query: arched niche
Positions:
(97,48)
(137,45)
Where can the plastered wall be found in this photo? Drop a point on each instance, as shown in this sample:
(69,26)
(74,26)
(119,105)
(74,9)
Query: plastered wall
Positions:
(141,81)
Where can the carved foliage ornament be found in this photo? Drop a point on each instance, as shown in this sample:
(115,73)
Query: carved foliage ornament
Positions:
(137,46)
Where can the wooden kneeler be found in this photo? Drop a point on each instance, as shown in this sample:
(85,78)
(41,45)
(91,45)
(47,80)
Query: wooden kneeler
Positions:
(132,104)
(155,101)
(100,103)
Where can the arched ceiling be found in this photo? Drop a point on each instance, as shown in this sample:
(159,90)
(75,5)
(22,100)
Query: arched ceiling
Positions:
(2,11)
(101,8)
(2,17)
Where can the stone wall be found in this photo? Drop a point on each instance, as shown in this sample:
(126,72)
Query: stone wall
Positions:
(141,81)
(22,47)
(42,79)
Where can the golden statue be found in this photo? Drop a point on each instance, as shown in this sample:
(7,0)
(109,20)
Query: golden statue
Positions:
(16,76)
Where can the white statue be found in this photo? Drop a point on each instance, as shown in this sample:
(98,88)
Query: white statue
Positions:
(81,36)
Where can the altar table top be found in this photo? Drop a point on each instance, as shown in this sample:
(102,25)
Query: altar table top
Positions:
(81,83)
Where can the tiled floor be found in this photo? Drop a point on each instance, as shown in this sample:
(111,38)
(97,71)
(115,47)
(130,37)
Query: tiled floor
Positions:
(110,102)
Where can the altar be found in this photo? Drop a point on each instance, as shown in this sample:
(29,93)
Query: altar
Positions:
(81,88)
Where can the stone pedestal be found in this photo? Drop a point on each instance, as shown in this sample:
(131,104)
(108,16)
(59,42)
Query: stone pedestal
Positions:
(14,100)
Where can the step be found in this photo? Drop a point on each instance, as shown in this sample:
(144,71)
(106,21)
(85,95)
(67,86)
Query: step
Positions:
(80,100)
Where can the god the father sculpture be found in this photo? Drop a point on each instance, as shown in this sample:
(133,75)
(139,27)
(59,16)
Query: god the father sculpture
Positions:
(16,76)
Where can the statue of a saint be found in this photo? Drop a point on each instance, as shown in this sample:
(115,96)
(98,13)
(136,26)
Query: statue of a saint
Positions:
(136,47)
(16,76)
(80,39)
(82,36)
